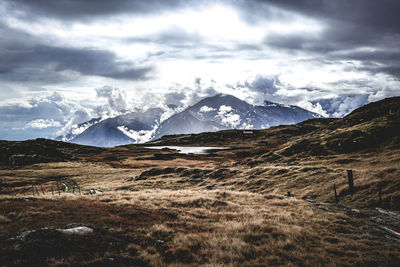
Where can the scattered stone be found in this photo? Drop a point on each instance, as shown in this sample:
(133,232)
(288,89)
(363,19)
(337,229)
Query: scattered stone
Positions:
(389,213)
(27,199)
(94,191)
(21,237)
(80,230)
(392,232)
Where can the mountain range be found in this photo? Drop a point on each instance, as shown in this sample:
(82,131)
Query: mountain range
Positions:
(219,112)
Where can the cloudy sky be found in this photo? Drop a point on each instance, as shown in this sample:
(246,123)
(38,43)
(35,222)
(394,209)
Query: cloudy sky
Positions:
(65,62)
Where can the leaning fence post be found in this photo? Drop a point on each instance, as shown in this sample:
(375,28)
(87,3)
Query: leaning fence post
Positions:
(52,192)
(37,191)
(350,181)
(41,187)
(58,189)
(33,189)
(336,196)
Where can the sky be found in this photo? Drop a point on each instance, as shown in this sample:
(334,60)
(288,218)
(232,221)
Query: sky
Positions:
(68,61)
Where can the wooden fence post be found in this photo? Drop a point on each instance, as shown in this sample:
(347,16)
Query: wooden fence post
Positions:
(350,181)
(79,190)
(41,187)
(33,189)
(37,191)
(52,192)
(58,189)
(336,196)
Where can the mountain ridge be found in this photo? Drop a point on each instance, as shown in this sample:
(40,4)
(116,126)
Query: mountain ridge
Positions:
(210,114)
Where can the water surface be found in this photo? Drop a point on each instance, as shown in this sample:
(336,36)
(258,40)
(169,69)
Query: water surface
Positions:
(190,149)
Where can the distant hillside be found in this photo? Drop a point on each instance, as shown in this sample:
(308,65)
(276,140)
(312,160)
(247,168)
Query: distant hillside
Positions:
(20,153)
(370,127)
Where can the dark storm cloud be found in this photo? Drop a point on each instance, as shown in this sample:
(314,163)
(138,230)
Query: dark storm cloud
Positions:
(89,9)
(174,98)
(349,25)
(377,15)
(263,85)
(46,62)
(27,58)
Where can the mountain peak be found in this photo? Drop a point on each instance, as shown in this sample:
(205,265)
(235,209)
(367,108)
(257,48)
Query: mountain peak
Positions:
(222,95)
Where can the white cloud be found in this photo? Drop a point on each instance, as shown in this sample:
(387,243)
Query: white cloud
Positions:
(224,109)
(348,104)
(316,108)
(230,119)
(117,99)
(42,124)
(50,113)
(206,109)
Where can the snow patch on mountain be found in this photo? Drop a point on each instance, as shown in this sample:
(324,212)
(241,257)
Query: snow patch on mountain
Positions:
(247,126)
(141,136)
(228,118)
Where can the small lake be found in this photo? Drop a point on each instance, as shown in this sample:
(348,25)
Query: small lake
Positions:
(190,149)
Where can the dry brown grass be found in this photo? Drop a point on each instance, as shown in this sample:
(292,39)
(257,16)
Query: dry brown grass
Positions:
(208,227)
(223,210)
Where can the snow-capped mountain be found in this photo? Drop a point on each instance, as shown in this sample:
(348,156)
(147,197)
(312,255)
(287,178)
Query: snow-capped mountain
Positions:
(124,129)
(77,129)
(211,114)
(228,112)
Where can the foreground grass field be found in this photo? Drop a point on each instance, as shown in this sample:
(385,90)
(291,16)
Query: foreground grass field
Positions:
(133,206)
